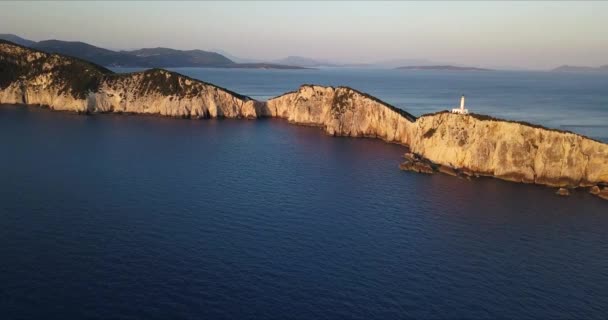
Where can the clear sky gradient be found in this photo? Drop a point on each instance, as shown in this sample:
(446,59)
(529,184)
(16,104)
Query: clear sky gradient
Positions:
(535,35)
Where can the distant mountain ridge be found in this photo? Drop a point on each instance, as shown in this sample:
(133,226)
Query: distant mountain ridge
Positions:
(145,58)
(173,58)
(167,57)
(89,52)
(16,39)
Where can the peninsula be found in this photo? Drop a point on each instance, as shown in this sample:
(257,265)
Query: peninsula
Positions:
(468,145)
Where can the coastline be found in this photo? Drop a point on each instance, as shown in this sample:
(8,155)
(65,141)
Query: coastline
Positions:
(473,145)
(411,161)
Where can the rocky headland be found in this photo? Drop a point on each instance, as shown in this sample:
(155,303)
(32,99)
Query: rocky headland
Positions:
(64,83)
(461,145)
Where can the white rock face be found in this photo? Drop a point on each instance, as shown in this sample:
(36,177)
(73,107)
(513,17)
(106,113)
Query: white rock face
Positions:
(343,112)
(510,150)
(117,96)
(144,93)
(11,94)
(473,144)
(63,83)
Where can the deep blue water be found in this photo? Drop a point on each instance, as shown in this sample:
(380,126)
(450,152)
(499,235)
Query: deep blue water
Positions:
(113,216)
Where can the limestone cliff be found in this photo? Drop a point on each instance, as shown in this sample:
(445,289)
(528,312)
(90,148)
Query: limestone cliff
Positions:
(167,93)
(342,111)
(509,150)
(471,144)
(455,144)
(64,83)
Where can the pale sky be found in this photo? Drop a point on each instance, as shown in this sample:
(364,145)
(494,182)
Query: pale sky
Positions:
(535,35)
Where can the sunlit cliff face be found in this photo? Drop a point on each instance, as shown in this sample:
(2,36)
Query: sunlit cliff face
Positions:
(474,144)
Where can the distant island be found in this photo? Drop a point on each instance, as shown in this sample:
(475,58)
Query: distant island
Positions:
(141,58)
(445,68)
(305,62)
(315,63)
(297,61)
(567,68)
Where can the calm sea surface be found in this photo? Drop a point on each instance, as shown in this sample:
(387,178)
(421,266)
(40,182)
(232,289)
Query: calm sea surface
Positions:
(126,217)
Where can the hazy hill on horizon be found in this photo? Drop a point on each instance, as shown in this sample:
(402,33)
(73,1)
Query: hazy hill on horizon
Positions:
(91,53)
(16,39)
(145,57)
(174,58)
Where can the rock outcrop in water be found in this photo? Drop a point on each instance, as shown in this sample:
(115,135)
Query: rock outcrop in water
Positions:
(464,145)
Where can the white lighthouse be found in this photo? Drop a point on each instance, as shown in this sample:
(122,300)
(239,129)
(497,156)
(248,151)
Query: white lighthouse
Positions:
(461,110)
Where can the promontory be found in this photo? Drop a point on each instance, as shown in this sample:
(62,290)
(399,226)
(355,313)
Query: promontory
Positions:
(464,145)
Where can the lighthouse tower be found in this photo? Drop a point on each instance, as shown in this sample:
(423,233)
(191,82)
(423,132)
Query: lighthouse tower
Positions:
(461,110)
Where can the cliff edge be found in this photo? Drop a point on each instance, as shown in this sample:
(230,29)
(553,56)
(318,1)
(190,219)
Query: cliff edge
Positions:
(59,82)
(514,151)
(342,111)
(471,145)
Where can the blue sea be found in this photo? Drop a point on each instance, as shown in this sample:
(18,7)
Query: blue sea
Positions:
(142,217)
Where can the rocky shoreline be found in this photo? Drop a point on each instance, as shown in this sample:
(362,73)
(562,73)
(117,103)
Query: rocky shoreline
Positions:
(416,163)
(459,145)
